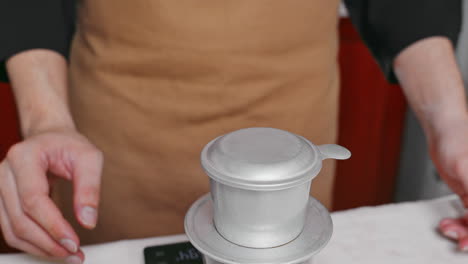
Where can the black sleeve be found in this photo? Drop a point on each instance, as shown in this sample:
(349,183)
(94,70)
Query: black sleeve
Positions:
(389,26)
(33,24)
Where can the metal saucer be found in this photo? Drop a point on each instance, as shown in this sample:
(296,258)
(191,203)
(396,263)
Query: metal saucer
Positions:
(202,233)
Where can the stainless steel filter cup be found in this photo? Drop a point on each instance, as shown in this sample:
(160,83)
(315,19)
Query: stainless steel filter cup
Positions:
(260,180)
(259,219)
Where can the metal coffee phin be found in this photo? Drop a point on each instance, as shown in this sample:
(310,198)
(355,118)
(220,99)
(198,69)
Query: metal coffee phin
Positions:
(260,180)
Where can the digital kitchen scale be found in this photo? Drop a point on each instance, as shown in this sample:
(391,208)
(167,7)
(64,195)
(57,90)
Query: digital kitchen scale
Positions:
(179,253)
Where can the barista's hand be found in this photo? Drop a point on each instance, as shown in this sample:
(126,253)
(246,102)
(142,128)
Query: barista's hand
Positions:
(29,219)
(428,72)
(449,151)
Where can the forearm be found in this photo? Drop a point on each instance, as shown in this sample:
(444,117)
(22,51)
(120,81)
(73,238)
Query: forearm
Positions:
(432,83)
(39,82)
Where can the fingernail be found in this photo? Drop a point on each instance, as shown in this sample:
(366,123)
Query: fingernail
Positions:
(89,216)
(73,260)
(69,244)
(451,234)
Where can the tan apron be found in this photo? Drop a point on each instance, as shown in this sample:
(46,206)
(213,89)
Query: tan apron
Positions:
(152,81)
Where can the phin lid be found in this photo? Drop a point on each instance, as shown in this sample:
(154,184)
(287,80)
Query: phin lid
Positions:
(262,159)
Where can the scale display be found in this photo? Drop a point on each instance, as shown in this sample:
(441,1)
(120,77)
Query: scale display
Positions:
(180,253)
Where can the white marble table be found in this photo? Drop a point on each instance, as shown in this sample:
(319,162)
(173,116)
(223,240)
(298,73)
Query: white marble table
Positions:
(391,234)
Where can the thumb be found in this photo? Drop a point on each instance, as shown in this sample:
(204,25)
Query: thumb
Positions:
(87,183)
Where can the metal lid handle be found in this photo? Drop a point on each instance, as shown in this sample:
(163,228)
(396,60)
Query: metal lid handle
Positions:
(333,151)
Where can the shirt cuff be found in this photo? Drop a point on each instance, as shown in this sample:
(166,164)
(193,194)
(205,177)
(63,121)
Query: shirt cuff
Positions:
(26,25)
(390,26)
